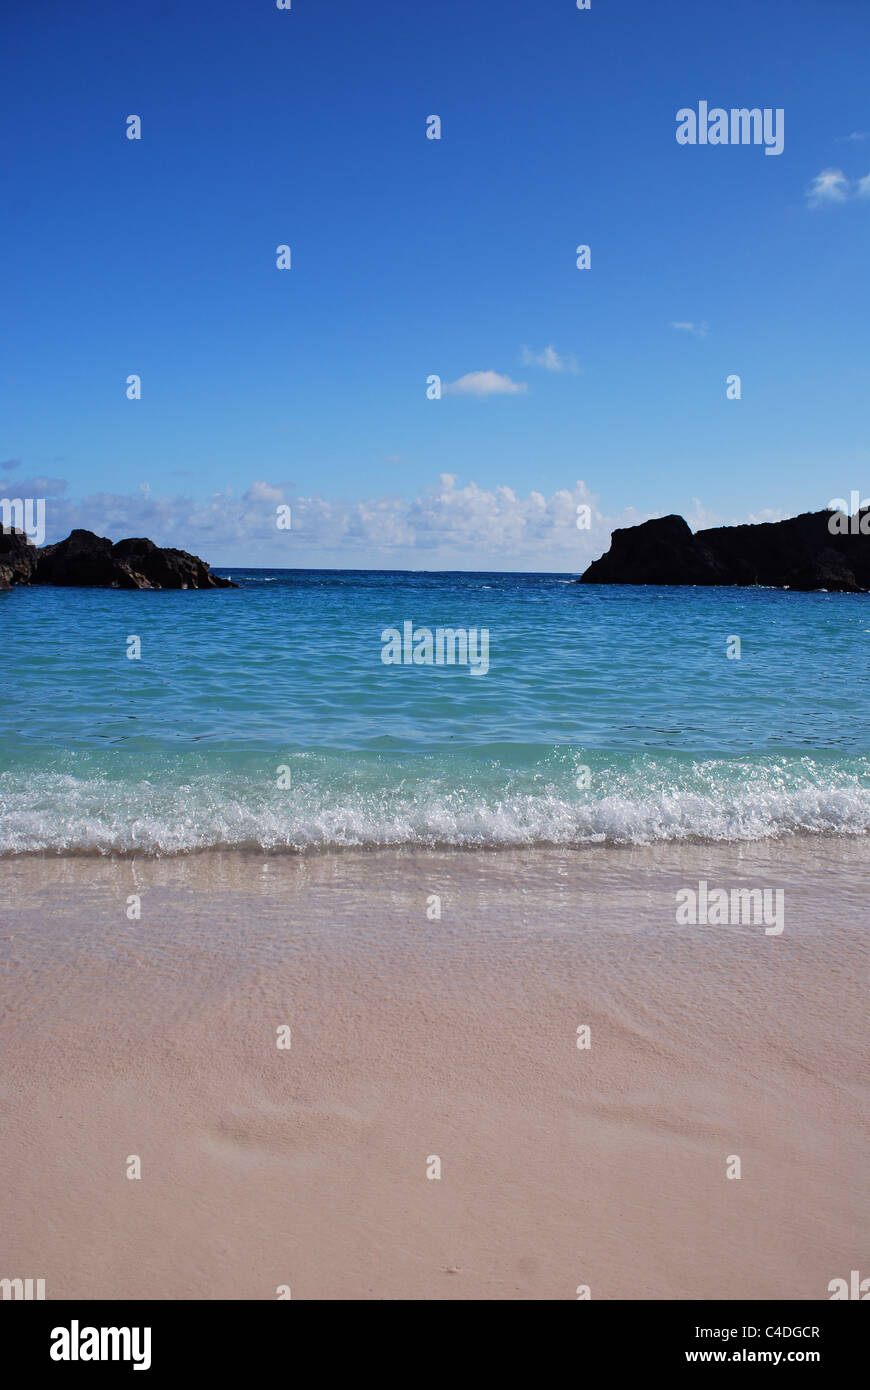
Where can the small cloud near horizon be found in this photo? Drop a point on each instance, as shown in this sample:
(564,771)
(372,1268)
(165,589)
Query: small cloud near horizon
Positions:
(767,514)
(702,519)
(484,384)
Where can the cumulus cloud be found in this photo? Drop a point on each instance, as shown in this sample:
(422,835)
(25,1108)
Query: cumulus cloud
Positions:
(263,492)
(550,360)
(449,525)
(483,384)
(830,186)
(863,189)
(699,330)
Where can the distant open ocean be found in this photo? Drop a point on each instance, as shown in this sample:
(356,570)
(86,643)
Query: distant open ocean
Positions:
(180,750)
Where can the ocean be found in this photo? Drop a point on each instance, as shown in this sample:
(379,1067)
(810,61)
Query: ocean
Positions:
(264,717)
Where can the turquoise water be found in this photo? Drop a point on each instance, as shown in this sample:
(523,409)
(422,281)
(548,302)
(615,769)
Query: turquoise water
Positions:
(182,749)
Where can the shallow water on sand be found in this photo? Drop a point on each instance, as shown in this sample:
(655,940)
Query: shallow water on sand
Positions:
(454,1036)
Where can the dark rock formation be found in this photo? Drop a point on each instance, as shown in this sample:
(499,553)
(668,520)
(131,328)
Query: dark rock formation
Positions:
(17,558)
(800,553)
(86,559)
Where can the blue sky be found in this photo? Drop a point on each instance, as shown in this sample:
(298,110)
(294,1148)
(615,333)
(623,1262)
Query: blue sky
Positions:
(413,256)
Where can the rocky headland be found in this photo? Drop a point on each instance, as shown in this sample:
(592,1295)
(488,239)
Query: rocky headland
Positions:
(93,561)
(817,550)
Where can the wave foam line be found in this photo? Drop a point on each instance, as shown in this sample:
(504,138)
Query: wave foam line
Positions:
(66,814)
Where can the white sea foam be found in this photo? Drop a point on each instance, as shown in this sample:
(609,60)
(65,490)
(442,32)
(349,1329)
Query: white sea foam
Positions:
(64,814)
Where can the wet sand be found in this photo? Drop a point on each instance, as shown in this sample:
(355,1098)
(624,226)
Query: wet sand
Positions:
(413,1037)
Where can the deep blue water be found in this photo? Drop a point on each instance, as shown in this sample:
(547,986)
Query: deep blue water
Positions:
(182,748)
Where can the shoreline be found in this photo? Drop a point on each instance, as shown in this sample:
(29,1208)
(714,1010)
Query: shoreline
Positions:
(802,841)
(413,1037)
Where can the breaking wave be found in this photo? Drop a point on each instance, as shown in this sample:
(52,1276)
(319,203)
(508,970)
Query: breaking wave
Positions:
(337,800)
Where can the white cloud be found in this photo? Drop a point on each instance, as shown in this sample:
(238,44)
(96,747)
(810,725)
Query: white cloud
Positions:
(768,514)
(830,186)
(484,384)
(857,135)
(550,360)
(700,330)
(264,492)
(449,525)
(700,518)
(36,486)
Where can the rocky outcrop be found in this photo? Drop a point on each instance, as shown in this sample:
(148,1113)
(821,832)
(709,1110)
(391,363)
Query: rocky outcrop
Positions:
(17,558)
(92,561)
(817,550)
